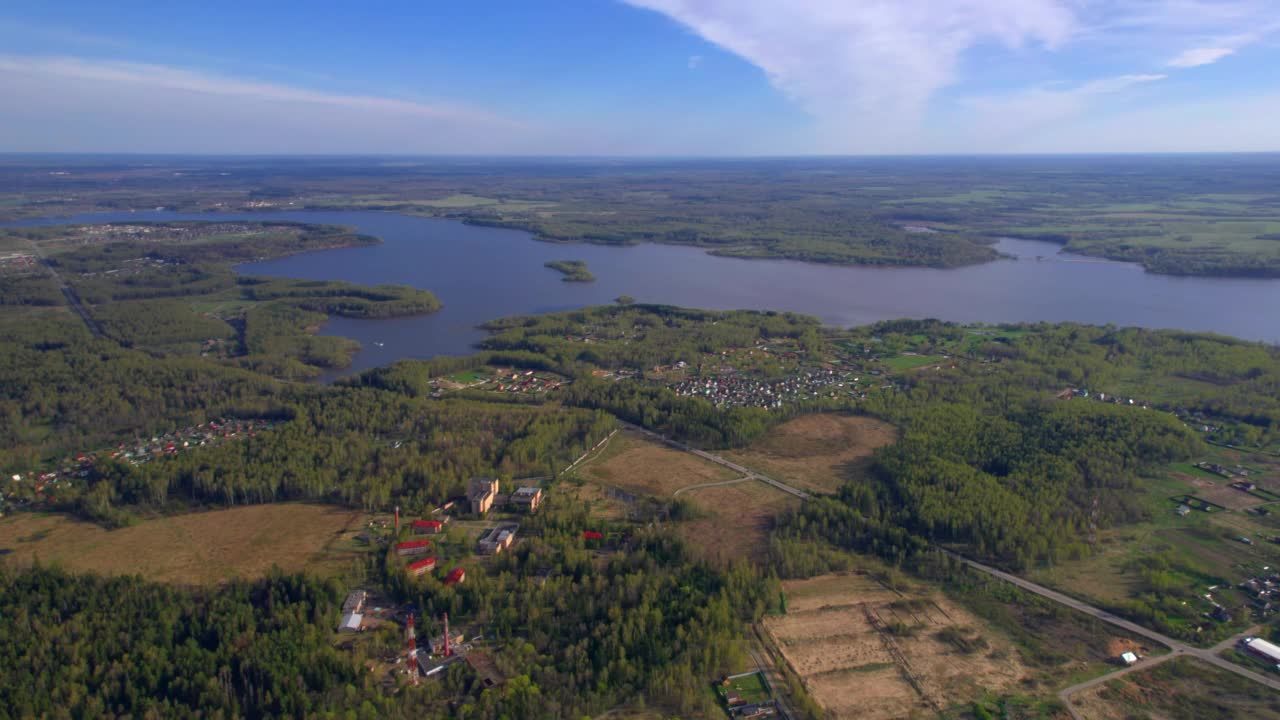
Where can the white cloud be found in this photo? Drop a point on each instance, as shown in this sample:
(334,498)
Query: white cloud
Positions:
(865,68)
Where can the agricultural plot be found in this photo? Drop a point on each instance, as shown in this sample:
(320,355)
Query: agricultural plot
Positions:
(198,548)
(817,452)
(871,653)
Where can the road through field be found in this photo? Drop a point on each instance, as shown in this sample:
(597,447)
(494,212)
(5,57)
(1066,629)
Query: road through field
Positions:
(711,457)
(1209,655)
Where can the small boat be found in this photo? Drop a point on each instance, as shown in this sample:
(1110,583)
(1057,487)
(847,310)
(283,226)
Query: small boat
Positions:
(379,344)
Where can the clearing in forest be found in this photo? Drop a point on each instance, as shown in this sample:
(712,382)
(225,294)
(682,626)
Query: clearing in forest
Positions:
(868,652)
(732,520)
(197,548)
(641,467)
(817,452)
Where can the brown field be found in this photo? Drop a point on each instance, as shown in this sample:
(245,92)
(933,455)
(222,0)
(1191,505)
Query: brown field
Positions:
(646,468)
(737,519)
(1180,688)
(1220,493)
(199,548)
(817,452)
(834,637)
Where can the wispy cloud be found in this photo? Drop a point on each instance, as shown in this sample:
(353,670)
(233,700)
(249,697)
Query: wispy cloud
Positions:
(68,103)
(695,62)
(995,123)
(160,77)
(1196,57)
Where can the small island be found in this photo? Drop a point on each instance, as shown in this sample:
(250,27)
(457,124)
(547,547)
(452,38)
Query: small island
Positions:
(574,270)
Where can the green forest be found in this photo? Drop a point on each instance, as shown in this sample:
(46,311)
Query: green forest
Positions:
(991,462)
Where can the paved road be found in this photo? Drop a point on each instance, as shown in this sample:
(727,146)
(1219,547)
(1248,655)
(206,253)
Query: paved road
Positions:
(752,474)
(1209,655)
(67,291)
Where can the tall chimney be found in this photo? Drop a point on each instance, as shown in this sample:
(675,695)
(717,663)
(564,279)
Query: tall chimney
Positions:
(447,652)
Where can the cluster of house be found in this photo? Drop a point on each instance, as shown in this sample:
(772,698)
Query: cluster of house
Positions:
(17,263)
(527,382)
(1100,397)
(422,547)
(174,442)
(1262,589)
(1235,472)
(735,390)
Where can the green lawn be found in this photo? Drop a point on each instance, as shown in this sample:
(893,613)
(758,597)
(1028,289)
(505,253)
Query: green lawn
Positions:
(752,688)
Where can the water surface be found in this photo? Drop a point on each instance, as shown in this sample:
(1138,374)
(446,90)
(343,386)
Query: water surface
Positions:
(483,273)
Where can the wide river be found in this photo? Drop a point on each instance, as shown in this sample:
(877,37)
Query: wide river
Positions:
(484,273)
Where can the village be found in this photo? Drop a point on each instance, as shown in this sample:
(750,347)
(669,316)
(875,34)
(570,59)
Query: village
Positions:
(39,490)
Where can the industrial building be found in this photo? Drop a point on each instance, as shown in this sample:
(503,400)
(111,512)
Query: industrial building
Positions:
(354,602)
(497,539)
(481,493)
(413,547)
(428,527)
(351,622)
(1263,649)
(422,566)
(527,498)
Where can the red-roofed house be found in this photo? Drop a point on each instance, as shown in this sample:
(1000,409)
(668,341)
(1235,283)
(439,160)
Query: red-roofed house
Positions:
(413,547)
(592,535)
(428,527)
(455,576)
(422,566)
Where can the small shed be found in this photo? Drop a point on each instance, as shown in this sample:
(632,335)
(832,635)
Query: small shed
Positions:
(1128,657)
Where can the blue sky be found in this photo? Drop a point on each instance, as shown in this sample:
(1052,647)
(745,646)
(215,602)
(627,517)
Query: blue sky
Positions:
(641,77)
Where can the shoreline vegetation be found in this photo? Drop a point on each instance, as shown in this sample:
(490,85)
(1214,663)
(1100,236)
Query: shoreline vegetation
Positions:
(573,270)
(1205,215)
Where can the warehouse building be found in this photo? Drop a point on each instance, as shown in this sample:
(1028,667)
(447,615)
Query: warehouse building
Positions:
(422,566)
(428,527)
(413,547)
(1263,649)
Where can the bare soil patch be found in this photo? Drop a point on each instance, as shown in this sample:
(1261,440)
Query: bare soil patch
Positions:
(1222,493)
(818,452)
(199,548)
(871,653)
